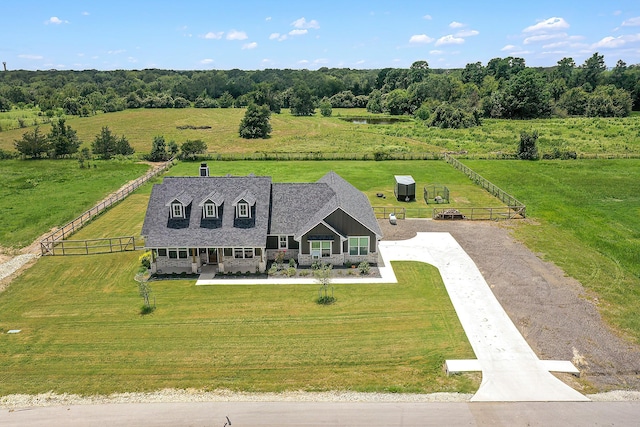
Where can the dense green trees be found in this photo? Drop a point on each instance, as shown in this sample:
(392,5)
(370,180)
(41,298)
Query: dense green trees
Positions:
(32,144)
(106,145)
(255,123)
(504,87)
(63,139)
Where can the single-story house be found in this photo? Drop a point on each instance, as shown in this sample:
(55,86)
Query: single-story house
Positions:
(239,223)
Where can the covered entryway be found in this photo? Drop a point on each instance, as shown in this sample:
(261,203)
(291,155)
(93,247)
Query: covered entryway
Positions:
(208,255)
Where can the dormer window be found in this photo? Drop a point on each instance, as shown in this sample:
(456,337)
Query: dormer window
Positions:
(243,210)
(177,210)
(210,210)
(211,205)
(179,206)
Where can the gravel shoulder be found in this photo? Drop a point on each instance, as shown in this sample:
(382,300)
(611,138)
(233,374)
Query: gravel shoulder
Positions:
(554,313)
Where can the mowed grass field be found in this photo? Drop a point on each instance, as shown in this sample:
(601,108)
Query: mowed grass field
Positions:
(37,195)
(585,136)
(82,333)
(585,217)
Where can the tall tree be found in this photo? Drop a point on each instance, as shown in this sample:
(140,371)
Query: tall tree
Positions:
(255,123)
(32,144)
(158,150)
(528,146)
(301,101)
(592,68)
(104,144)
(63,139)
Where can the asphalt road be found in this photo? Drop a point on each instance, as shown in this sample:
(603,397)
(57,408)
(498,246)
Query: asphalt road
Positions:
(257,414)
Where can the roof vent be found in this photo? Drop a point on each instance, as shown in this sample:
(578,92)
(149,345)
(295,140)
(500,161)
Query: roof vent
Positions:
(204,169)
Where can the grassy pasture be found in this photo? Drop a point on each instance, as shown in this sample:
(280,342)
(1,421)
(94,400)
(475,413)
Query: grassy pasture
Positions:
(37,195)
(586,217)
(585,136)
(81,333)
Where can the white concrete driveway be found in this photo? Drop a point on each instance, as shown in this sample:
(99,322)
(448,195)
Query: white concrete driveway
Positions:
(511,371)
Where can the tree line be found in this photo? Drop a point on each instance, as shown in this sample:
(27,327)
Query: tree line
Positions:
(503,88)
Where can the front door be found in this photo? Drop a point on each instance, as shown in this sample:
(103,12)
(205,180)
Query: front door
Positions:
(213,256)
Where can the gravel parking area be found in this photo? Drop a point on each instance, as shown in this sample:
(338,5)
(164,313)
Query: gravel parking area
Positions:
(553,312)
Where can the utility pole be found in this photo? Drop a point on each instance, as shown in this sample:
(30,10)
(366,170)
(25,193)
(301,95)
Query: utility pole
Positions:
(4,64)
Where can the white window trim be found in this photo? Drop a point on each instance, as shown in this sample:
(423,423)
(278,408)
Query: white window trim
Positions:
(317,254)
(359,245)
(243,210)
(177,213)
(285,240)
(243,252)
(207,206)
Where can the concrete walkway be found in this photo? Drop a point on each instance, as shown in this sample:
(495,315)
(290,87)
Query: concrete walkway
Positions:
(511,371)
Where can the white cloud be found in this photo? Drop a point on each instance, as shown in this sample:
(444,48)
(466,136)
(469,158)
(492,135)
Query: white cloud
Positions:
(278,36)
(237,35)
(632,22)
(455,24)
(420,38)
(362,61)
(614,42)
(551,24)
(303,61)
(304,24)
(298,32)
(28,56)
(116,52)
(449,39)
(213,36)
(427,17)
(268,18)
(508,48)
(251,45)
(132,59)
(544,37)
(85,13)
(467,33)
(207,61)
(436,52)
(321,61)
(56,21)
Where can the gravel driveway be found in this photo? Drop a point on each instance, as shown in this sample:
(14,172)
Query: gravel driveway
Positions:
(550,310)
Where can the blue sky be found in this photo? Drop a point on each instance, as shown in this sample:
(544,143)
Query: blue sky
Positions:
(249,35)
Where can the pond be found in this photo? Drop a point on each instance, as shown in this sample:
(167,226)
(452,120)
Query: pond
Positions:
(375,120)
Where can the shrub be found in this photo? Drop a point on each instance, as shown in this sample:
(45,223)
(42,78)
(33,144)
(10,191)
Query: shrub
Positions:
(292,263)
(291,271)
(145,259)
(364,268)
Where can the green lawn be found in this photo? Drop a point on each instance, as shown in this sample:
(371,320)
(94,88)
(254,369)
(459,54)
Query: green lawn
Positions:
(586,219)
(81,333)
(585,136)
(37,195)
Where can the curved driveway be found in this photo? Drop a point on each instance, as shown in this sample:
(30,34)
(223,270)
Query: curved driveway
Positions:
(511,371)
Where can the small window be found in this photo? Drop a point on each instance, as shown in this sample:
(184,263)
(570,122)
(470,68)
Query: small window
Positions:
(176,210)
(182,253)
(162,252)
(243,210)
(173,253)
(359,245)
(228,252)
(258,252)
(321,248)
(210,210)
(283,242)
(248,252)
(238,253)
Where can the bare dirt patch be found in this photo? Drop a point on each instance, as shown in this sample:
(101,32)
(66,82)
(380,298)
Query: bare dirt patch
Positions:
(555,314)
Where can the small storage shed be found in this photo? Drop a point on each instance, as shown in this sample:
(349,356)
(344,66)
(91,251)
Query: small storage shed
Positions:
(405,189)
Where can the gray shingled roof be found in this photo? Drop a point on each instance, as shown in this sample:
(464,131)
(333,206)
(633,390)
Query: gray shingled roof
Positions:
(294,204)
(352,201)
(160,231)
(280,208)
